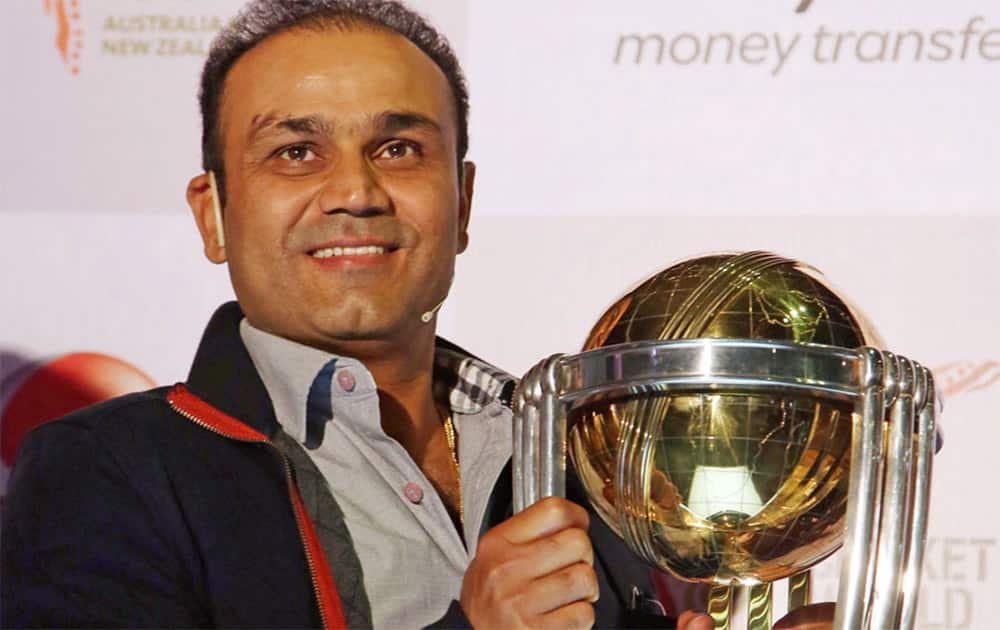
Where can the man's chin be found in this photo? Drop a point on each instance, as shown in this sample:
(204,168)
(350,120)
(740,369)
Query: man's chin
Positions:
(346,329)
(368,330)
(357,335)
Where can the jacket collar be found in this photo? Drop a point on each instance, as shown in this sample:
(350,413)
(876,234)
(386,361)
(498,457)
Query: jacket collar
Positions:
(224,376)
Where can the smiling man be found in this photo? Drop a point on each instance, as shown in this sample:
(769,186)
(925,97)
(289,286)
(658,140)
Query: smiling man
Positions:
(329,461)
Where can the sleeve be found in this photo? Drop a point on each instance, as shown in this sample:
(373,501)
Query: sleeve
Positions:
(80,546)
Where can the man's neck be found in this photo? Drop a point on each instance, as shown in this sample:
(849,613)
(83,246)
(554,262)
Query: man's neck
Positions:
(411,416)
(403,370)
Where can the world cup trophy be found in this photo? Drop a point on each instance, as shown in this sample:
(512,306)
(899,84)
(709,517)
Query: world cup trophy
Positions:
(735,421)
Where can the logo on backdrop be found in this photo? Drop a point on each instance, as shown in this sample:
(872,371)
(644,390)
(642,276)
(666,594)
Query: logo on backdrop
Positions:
(69,31)
(968,40)
(959,572)
(962,377)
(127,34)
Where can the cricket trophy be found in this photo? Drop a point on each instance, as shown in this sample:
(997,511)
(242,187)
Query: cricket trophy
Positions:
(736,421)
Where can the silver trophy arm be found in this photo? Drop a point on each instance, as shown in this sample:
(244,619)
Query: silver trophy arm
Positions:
(927,407)
(866,453)
(539,449)
(893,536)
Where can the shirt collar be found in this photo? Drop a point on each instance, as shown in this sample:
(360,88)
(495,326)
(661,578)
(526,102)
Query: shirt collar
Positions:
(471,383)
(289,369)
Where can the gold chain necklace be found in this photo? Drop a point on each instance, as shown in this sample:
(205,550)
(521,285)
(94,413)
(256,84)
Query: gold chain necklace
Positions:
(449,432)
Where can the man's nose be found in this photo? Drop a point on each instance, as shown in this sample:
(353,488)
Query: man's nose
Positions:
(353,187)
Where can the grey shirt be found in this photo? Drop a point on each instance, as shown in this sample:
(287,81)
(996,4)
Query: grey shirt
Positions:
(411,556)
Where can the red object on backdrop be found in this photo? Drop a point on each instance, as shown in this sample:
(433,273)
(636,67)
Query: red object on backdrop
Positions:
(65,384)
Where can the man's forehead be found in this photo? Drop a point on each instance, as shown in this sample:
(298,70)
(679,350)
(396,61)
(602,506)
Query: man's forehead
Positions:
(302,59)
(324,79)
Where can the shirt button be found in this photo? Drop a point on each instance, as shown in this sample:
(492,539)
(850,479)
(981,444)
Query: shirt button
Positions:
(346,380)
(413,492)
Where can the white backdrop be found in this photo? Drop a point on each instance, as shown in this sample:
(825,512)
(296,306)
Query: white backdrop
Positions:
(611,139)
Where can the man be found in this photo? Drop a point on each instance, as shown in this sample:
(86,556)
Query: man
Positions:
(329,461)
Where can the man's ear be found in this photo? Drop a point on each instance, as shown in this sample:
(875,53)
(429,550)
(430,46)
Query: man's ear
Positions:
(465,204)
(203,197)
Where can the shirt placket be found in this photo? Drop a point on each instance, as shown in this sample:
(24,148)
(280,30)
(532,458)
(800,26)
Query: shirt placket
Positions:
(358,409)
(483,454)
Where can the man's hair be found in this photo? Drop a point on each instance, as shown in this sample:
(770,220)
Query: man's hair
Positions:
(261,19)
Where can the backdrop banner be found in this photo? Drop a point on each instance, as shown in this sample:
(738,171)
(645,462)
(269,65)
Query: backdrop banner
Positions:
(611,139)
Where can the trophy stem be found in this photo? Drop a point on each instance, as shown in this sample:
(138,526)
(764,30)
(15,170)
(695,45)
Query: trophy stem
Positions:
(759,607)
(799,590)
(720,605)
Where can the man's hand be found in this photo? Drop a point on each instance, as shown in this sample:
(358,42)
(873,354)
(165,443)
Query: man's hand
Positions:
(534,570)
(690,620)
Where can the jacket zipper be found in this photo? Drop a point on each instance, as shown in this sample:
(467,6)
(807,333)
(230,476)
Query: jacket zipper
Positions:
(324,615)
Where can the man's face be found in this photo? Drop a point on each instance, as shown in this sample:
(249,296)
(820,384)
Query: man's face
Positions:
(344,207)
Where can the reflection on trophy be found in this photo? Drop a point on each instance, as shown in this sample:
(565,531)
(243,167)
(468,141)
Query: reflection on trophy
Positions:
(734,421)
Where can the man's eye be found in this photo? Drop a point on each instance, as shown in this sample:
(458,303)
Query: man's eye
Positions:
(298,153)
(397,150)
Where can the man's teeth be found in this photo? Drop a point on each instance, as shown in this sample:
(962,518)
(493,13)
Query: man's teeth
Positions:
(365,250)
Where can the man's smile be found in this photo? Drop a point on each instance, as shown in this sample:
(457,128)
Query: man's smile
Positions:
(353,252)
(364,250)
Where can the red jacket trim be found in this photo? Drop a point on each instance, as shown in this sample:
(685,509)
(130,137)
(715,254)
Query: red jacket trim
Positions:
(209,417)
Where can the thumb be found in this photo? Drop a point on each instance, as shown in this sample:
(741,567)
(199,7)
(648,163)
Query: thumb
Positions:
(691,620)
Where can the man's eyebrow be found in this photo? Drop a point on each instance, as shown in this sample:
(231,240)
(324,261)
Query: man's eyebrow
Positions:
(392,122)
(388,122)
(306,125)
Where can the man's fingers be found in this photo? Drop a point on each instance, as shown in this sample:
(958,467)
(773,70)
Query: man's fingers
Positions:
(575,615)
(535,568)
(544,518)
(691,620)
(562,549)
(556,590)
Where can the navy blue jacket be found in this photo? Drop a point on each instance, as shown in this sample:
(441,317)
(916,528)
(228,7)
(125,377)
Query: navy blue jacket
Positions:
(128,514)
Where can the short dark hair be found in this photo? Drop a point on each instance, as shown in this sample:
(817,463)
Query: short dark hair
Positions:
(261,19)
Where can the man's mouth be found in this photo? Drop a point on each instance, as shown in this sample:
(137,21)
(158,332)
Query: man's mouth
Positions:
(363,250)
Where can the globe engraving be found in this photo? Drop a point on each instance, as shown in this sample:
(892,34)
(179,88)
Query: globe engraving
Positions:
(740,487)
